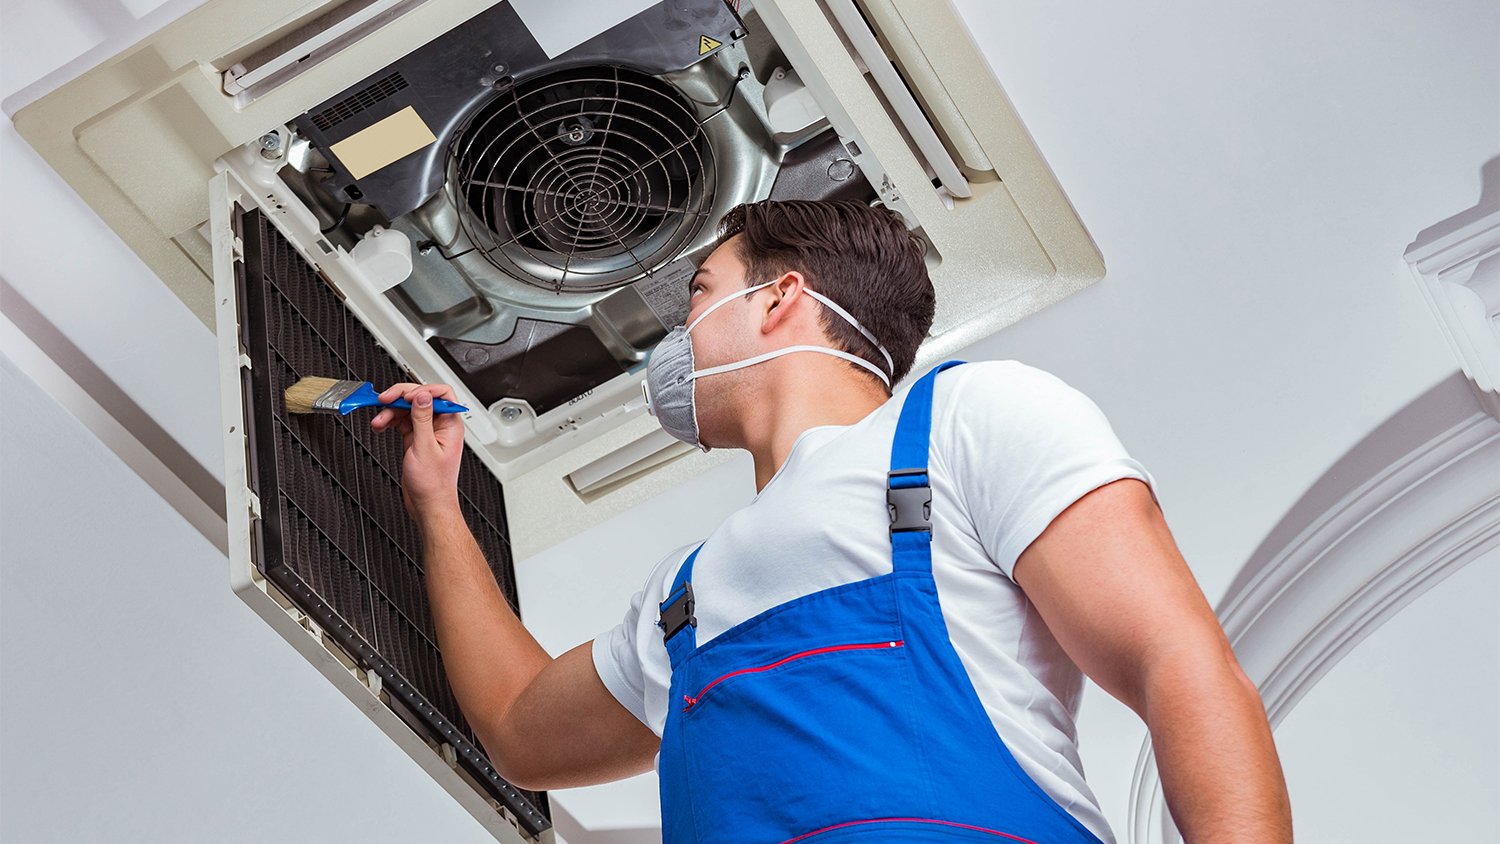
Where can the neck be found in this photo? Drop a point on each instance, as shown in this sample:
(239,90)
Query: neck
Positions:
(826,397)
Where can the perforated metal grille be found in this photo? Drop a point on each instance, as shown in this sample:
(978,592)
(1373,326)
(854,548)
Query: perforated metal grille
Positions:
(334,534)
(583,179)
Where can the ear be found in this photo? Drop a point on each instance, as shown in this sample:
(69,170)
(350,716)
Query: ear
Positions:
(785,293)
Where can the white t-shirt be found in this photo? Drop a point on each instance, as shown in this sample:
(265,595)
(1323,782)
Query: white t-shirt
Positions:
(1012,447)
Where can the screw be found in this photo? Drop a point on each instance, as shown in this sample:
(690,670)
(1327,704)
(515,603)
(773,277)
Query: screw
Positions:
(270,146)
(510,414)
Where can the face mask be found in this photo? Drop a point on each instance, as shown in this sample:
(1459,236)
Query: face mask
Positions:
(670,374)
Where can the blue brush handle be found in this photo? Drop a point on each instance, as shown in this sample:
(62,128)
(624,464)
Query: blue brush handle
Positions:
(366,396)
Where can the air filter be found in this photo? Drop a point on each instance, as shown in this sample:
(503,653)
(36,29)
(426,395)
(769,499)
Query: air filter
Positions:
(333,535)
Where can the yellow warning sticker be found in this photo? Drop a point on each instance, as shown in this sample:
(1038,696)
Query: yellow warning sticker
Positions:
(706,44)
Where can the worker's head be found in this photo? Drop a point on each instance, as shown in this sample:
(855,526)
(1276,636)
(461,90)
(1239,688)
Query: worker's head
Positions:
(854,257)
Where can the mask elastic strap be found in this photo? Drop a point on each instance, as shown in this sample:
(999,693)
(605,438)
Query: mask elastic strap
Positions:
(829,303)
(889,364)
(728,298)
(715,370)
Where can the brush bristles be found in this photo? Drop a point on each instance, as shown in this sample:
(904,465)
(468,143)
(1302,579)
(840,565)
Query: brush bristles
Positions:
(302,396)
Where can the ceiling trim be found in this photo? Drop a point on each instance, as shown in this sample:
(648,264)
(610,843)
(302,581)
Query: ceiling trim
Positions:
(40,350)
(1457,266)
(1413,502)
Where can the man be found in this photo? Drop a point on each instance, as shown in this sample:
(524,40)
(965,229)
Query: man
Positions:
(886,643)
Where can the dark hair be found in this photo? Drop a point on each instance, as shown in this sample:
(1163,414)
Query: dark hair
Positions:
(862,257)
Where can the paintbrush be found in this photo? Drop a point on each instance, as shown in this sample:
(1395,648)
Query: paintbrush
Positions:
(328,395)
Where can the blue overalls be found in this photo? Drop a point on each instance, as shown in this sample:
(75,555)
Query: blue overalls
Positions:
(844,714)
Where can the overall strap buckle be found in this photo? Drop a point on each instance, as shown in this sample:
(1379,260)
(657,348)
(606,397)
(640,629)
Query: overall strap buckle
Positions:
(677,612)
(910,503)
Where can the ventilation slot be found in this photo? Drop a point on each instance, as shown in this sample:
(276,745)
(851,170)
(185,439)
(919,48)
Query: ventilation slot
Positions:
(359,101)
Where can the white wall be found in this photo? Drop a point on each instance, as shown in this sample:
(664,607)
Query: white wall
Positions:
(1251,174)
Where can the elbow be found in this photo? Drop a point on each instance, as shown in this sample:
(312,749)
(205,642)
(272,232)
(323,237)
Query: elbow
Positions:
(1228,667)
(1208,673)
(507,758)
(524,781)
(528,772)
(512,767)
(1247,686)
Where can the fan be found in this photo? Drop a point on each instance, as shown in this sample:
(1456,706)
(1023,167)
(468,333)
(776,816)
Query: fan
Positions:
(584,179)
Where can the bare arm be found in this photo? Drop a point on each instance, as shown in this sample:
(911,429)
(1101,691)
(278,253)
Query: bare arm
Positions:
(1108,579)
(544,723)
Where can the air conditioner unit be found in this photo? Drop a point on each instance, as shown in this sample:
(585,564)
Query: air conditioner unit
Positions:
(509,198)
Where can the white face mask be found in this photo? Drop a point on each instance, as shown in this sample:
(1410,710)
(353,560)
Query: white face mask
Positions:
(670,374)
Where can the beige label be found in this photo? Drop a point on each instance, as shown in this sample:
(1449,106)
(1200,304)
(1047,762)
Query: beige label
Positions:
(390,140)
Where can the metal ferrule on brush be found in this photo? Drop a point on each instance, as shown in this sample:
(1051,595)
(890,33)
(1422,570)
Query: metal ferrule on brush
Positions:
(334,396)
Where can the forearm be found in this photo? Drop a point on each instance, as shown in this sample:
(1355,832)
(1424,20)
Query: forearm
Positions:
(1219,769)
(488,656)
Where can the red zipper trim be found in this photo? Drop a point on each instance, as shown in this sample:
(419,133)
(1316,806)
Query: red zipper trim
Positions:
(692,699)
(917,820)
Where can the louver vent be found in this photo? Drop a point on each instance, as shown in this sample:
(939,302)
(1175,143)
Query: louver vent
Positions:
(359,101)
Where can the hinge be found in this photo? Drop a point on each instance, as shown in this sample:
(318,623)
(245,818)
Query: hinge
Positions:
(254,504)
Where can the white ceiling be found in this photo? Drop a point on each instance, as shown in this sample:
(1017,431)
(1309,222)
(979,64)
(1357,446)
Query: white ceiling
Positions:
(1251,175)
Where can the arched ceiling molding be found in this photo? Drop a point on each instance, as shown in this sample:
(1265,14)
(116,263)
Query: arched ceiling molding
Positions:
(1413,502)
(1410,504)
(1457,268)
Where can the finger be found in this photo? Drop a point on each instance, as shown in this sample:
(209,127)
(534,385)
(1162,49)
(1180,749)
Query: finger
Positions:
(439,391)
(399,417)
(448,428)
(404,389)
(387,418)
(421,417)
(395,391)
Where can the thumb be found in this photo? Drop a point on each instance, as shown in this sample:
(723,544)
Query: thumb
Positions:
(421,417)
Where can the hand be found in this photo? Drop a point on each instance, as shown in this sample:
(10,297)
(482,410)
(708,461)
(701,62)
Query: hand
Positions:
(434,446)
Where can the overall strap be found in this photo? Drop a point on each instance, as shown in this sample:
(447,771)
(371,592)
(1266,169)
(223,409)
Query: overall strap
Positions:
(677,620)
(908,490)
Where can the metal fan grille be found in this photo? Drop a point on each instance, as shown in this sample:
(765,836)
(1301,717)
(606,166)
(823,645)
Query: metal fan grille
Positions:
(584,179)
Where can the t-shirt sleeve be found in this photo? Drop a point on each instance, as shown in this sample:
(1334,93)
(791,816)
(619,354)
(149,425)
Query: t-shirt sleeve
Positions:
(616,660)
(621,653)
(1026,446)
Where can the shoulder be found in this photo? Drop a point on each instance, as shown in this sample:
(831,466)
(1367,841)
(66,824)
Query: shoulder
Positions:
(1006,392)
(659,582)
(990,377)
(1020,422)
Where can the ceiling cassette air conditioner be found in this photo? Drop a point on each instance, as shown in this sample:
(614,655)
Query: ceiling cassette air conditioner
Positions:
(509,198)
